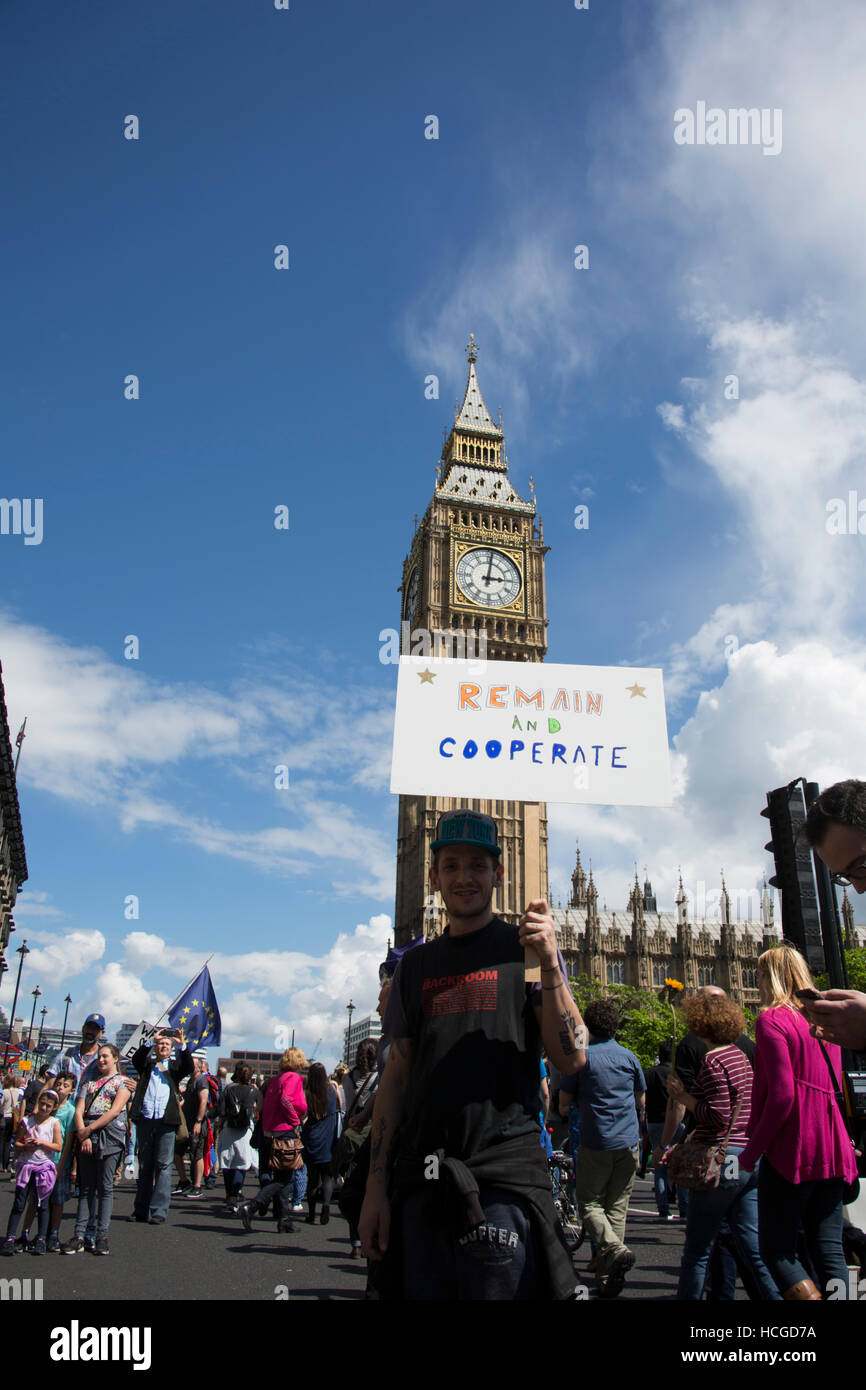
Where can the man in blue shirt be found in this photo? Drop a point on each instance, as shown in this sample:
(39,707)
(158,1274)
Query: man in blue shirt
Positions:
(80,1058)
(610,1093)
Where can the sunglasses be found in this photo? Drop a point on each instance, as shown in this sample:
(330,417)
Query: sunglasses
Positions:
(846,880)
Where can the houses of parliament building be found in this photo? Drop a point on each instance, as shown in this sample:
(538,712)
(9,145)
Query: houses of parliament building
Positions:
(476,564)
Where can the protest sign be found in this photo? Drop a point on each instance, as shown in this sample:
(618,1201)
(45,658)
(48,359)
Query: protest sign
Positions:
(527,731)
(135,1041)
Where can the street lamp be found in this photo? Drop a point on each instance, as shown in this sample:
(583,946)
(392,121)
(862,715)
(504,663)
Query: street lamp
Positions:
(36,995)
(22,952)
(42,1012)
(65,1017)
(350,1009)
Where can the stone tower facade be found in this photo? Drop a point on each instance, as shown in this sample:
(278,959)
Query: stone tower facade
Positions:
(475,571)
(638,945)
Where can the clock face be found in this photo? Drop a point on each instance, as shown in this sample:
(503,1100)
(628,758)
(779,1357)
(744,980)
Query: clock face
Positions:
(488,578)
(412,588)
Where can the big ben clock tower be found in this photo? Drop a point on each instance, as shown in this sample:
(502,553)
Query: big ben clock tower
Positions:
(476,565)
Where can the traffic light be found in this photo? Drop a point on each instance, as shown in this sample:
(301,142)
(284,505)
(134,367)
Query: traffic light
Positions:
(794,876)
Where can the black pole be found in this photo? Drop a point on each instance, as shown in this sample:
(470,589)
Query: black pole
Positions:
(65,1017)
(21,952)
(828,911)
(42,1012)
(36,993)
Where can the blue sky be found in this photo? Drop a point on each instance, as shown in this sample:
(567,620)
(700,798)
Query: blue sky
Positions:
(305,388)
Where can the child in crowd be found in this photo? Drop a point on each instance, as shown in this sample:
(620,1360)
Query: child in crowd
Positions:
(64,1084)
(37,1141)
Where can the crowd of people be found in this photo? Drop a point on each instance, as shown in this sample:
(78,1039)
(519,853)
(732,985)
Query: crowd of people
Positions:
(79,1126)
(434,1144)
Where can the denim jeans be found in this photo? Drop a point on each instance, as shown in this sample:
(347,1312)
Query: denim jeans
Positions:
(234,1182)
(43,1212)
(299,1185)
(737,1199)
(277,1185)
(783,1207)
(155,1159)
(660,1173)
(96,1189)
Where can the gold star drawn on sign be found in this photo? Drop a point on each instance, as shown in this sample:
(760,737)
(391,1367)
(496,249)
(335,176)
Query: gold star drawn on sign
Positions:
(427,677)
(636,690)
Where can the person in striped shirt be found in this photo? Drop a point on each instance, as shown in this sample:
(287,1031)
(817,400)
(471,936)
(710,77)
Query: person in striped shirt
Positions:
(720,1102)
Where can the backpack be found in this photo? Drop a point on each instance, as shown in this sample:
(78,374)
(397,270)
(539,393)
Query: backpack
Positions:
(237,1113)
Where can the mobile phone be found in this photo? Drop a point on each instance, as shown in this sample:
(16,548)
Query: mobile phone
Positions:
(808,994)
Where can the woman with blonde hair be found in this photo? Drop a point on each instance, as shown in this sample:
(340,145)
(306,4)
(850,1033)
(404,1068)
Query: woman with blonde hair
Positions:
(283,1108)
(797,1127)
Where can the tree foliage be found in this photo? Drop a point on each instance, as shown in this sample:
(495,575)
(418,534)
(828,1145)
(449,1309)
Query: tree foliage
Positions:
(855,960)
(647,1017)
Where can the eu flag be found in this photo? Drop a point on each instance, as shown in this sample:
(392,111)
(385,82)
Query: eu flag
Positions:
(196,1013)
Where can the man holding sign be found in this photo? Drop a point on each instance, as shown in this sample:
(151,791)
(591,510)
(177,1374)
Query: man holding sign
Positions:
(455,1124)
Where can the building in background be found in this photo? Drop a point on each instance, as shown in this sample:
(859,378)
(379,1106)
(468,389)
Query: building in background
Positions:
(638,945)
(369,1027)
(265,1064)
(13,862)
(124,1033)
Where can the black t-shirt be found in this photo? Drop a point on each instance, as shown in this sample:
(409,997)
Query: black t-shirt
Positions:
(657,1093)
(465,1004)
(192,1099)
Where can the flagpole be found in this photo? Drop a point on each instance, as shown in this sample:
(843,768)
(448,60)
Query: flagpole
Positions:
(183,991)
(20,742)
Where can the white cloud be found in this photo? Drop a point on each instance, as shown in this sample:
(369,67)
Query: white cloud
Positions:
(35,904)
(777,715)
(105,733)
(63,957)
(120,996)
(795,439)
(278,989)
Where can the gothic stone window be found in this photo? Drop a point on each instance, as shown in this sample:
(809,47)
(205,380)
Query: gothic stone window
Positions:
(616,973)
(661,973)
(706,976)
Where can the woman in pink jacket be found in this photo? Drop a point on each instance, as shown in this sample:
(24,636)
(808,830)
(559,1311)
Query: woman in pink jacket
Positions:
(282,1111)
(797,1131)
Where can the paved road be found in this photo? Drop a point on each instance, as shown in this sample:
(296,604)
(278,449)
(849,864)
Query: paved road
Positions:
(202,1253)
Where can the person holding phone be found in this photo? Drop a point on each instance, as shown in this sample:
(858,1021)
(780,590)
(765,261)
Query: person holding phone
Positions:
(156,1111)
(797,1132)
(835,828)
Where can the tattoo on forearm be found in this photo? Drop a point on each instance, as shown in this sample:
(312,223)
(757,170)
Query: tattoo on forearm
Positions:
(571,1038)
(377,1163)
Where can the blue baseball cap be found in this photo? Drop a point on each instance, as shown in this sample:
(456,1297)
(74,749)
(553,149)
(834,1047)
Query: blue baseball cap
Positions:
(466,827)
(95,1018)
